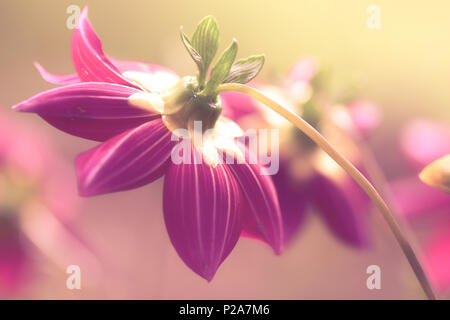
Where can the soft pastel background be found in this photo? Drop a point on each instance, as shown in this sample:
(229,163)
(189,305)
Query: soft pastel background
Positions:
(404,67)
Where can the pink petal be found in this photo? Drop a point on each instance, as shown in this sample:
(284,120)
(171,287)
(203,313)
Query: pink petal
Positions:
(12,254)
(122,66)
(414,198)
(338,212)
(201,214)
(262,219)
(437,254)
(294,201)
(424,141)
(237,105)
(358,199)
(56,78)
(89,60)
(89,110)
(127,161)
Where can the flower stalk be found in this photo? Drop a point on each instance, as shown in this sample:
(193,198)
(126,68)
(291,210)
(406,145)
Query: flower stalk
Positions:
(362,181)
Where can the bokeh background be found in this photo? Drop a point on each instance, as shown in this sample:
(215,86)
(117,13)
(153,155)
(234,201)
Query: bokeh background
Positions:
(404,67)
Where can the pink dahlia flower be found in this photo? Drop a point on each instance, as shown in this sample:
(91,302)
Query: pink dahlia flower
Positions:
(307,176)
(129,107)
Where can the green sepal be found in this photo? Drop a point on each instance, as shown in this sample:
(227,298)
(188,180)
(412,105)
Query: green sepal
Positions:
(221,69)
(205,41)
(245,70)
(192,52)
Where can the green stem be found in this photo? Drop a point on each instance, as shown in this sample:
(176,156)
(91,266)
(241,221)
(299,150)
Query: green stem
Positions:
(323,143)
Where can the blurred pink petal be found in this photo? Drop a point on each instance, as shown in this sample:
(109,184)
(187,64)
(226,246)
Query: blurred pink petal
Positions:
(423,141)
(89,110)
(89,60)
(127,161)
(437,254)
(201,214)
(294,202)
(238,105)
(415,198)
(13,258)
(337,211)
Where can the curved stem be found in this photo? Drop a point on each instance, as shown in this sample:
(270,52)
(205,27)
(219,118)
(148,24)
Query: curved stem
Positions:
(379,181)
(323,143)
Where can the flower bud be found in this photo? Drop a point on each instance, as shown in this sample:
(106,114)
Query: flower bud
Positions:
(437,174)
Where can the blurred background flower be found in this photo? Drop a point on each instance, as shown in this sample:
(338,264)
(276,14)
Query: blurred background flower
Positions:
(403,67)
(422,142)
(307,177)
(37,210)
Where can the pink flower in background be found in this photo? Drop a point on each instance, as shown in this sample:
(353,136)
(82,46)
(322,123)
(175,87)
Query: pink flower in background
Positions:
(206,206)
(308,177)
(359,118)
(297,90)
(422,142)
(433,138)
(36,207)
